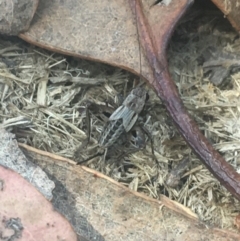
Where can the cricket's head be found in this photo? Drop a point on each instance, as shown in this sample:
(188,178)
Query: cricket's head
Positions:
(136,99)
(140,92)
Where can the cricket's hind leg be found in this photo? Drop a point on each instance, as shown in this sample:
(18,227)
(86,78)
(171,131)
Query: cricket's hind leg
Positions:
(83,154)
(78,152)
(118,152)
(137,140)
(81,158)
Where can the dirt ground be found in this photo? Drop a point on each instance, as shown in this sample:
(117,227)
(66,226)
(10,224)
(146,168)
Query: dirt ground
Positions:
(44,97)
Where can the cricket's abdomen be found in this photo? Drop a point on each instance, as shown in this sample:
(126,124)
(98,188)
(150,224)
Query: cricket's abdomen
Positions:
(111,132)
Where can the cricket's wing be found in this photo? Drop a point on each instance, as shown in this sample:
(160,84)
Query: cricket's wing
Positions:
(119,113)
(129,121)
(128,116)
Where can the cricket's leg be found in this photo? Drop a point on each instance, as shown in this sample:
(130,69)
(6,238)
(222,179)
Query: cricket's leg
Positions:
(85,142)
(103,159)
(90,158)
(147,132)
(140,142)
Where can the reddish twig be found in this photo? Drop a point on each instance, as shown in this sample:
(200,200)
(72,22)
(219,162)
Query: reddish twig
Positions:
(167,91)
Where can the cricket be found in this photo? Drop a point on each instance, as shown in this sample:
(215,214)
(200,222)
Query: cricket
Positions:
(121,123)
(124,117)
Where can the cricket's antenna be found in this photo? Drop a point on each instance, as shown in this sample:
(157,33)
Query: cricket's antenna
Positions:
(139,45)
(140,82)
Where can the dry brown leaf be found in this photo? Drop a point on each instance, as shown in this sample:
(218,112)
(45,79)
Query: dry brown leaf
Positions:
(26,215)
(16,16)
(99,208)
(100,31)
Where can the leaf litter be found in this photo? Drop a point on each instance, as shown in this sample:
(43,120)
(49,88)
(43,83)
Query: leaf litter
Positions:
(44,96)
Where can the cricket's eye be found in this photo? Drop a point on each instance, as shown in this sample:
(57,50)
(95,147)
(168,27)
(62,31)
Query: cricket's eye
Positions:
(133,105)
